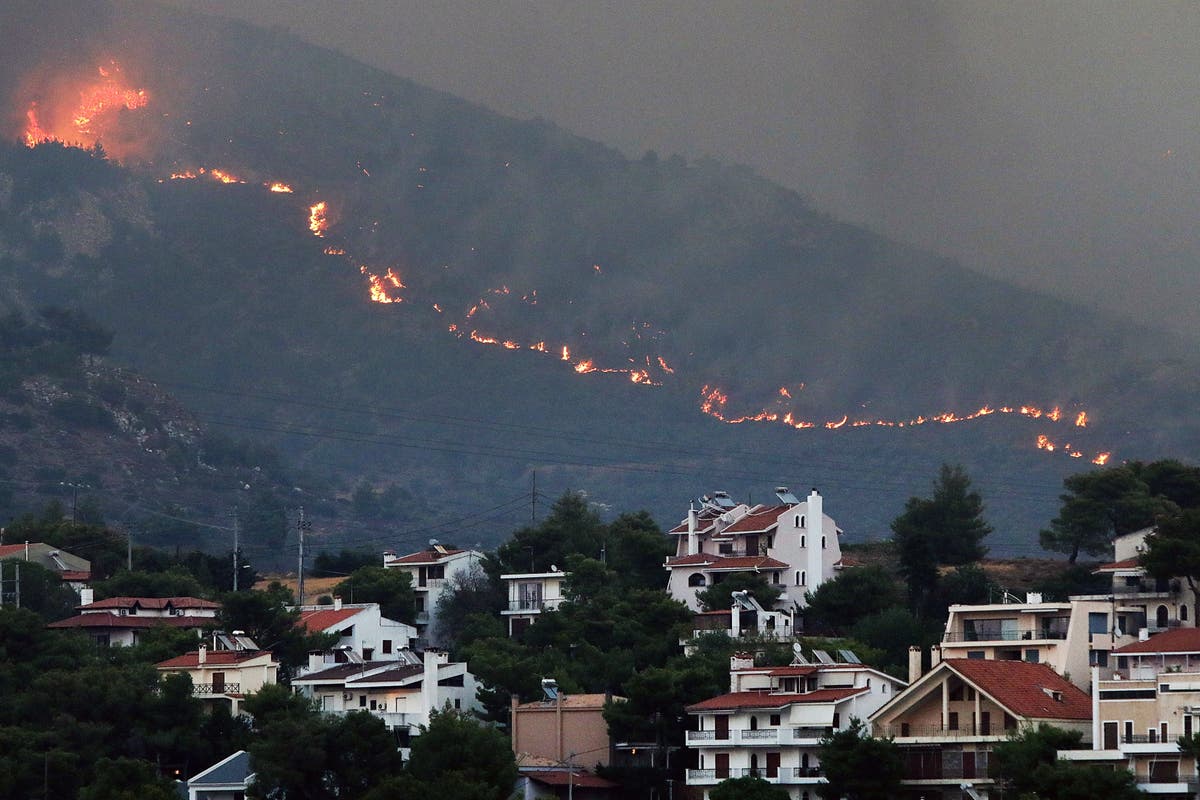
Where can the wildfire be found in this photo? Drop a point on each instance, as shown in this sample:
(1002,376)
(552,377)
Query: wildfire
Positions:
(1101,459)
(1081,421)
(281,188)
(378,286)
(317,222)
(224,177)
(84,120)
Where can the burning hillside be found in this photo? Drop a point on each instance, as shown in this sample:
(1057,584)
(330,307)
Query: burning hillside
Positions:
(86,110)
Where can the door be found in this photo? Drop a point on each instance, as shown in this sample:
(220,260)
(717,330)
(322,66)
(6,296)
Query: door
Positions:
(723,729)
(772,765)
(752,545)
(985,722)
(1110,735)
(722,765)
(968,762)
(218,683)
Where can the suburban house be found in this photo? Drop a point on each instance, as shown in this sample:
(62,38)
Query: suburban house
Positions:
(228,779)
(1144,602)
(76,572)
(364,634)
(224,676)
(119,621)
(947,721)
(401,691)
(1142,705)
(745,618)
(530,593)
(792,542)
(542,778)
(771,722)
(431,571)
(563,728)
(1070,637)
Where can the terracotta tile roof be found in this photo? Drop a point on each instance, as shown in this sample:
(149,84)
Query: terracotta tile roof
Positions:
(157,603)
(758,520)
(217,658)
(324,619)
(1176,640)
(109,620)
(76,575)
(7,550)
(425,557)
(1128,563)
(847,561)
(560,777)
(576,701)
(793,670)
(1021,687)
(738,700)
(704,521)
(726,562)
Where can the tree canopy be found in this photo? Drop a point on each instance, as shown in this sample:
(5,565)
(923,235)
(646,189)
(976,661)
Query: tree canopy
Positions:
(858,766)
(748,788)
(1173,549)
(390,588)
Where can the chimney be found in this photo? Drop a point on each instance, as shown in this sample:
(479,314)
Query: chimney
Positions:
(429,682)
(87,596)
(935,655)
(201,655)
(735,619)
(316,661)
(693,542)
(738,661)
(388,555)
(337,603)
(816,529)
(914,663)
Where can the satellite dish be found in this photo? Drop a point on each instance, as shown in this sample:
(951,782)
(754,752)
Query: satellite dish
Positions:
(796,648)
(432,542)
(553,568)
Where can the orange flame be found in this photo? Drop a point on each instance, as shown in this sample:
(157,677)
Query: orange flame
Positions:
(279,187)
(1101,459)
(1081,421)
(317,221)
(97,105)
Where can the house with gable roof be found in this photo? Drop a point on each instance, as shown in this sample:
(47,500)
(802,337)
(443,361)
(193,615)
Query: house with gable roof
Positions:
(119,621)
(224,676)
(431,572)
(947,721)
(364,634)
(228,779)
(792,542)
(74,571)
(770,723)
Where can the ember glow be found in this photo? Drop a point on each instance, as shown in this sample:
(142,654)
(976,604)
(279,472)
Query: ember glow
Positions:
(317,222)
(279,188)
(382,288)
(85,114)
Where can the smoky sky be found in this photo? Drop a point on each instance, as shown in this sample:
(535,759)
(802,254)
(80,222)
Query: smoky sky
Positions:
(1056,145)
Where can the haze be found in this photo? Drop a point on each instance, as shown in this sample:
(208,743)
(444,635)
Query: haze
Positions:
(1055,145)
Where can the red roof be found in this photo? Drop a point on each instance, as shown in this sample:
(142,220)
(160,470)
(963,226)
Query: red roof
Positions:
(560,777)
(1128,563)
(1175,640)
(425,557)
(1022,688)
(109,620)
(793,670)
(737,700)
(726,562)
(704,521)
(153,602)
(12,549)
(847,561)
(75,575)
(212,658)
(760,519)
(325,618)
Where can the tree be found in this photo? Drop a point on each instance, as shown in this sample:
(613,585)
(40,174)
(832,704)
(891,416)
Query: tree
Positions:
(1099,505)
(1067,780)
(1173,549)
(636,547)
(718,597)
(837,605)
(42,591)
(456,751)
(1015,761)
(391,588)
(571,527)
(893,631)
(469,593)
(749,788)
(858,766)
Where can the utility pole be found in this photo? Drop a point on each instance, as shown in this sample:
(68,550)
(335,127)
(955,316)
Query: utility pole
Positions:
(17,569)
(129,550)
(303,525)
(235,548)
(533,501)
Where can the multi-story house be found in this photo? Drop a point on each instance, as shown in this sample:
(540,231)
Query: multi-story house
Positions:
(431,572)
(402,692)
(224,676)
(947,721)
(566,729)
(529,594)
(1147,698)
(1070,637)
(364,634)
(119,621)
(792,542)
(1140,600)
(746,618)
(771,722)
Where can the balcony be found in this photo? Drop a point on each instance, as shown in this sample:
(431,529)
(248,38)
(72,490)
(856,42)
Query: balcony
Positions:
(760,736)
(807,775)
(216,689)
(959,637)
(809,734)
(963,731)
(704,737)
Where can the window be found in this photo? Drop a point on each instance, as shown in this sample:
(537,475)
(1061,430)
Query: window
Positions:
(1098,658)
(802,541)
(775,719)
(1128,731)
(803,578)
(1032,656)
(1097,622)
(697,579)
(368,653)
(904,729)
(362,701)
(978,655)
(374,705)
(952,721)
(457,704)
(1183,612)
(822,542)
(1162,730)
(774,577)
(753,723)
(798,582)
(387,645)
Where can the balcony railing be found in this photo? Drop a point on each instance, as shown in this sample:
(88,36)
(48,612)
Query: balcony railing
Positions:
(702,736)
(936,731)
(779,632)
(806,772)
(529,604)
(761,734)
(1003,636)
(801,733)
(210,689)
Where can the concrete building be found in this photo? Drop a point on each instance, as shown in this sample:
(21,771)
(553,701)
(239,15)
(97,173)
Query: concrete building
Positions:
(566,729)
(224,676)
(364,634)
(791,542)
(1143,703)
(1142,602)
(771,722)
(529,594)
(947,721)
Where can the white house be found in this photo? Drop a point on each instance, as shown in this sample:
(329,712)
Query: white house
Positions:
(529,594)
(362,631)
(771,722)
(431,572)
(791,542)
(228,779)
(224,676)
(120,621)
(402,692)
